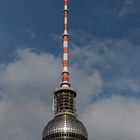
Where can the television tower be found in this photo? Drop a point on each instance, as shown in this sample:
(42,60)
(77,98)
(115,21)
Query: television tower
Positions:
(65,125)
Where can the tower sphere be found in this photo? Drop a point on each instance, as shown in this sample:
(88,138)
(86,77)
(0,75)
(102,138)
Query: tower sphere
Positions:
(65,127)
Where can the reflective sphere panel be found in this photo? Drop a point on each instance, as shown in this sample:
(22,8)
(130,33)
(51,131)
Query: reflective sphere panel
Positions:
(65,127)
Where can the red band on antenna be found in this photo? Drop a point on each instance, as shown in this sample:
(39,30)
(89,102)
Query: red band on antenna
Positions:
(65,2)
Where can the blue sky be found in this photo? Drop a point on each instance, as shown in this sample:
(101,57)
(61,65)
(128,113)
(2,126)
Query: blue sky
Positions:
(33,23)
(104,65)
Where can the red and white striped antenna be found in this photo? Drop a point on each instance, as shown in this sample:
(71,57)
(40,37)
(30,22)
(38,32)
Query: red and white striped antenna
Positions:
(65,73)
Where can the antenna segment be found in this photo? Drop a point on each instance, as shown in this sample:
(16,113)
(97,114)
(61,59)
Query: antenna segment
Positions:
(65,73)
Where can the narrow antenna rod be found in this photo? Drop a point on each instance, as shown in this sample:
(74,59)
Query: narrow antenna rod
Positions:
(65,73)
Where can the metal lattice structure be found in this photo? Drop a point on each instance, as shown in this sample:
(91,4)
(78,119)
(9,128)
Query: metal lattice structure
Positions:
(64,101)
(65,125)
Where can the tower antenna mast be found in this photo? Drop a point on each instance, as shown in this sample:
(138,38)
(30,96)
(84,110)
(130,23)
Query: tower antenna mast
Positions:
(65,125)
(65,73)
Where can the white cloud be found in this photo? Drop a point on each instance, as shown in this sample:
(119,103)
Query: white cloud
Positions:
(114,118)
(26,87)
(117,61)
(27,83)
(127,9)
(124,84)
(87,85)
(102,52)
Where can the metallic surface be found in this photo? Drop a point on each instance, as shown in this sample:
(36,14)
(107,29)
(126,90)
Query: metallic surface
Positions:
(65,126)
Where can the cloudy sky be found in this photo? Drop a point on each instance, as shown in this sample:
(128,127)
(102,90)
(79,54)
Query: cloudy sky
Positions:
(104,66)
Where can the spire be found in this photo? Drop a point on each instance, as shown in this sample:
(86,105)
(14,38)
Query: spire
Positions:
(65,125)
(64,96)
(65,73)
